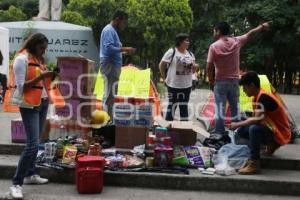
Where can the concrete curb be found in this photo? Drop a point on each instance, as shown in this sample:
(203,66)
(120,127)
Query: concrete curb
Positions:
(266,162)
(280,163)
(261,184)
(11,149)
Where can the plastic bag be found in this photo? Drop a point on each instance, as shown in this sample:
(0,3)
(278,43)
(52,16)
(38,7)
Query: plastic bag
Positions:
(221,165)
(236,155)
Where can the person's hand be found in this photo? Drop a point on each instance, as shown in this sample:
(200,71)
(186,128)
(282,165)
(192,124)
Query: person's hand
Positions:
(266,25)
(232,126)
(48,74)
(130,50)
(195,67)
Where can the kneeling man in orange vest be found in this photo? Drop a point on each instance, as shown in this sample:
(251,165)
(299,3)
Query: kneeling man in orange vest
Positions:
(269,123)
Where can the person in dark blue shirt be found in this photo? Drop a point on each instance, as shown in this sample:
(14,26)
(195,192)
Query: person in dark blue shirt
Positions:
(3,81)
(111,57)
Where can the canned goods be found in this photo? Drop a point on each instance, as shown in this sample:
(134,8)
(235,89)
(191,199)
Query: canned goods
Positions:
(116,163)
(85,145)
(151,139)
(166,141)
(149,162)
(161,132)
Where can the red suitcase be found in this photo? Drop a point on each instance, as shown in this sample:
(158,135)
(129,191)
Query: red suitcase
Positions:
(89,174)
(90,161)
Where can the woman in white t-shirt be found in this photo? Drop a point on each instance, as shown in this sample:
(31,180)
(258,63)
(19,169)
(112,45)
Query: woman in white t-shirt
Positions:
(176,67)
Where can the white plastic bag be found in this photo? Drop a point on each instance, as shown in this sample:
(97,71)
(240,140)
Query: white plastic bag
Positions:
(221,165)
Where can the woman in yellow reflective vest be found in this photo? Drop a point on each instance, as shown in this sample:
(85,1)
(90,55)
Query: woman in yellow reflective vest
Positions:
(30,78)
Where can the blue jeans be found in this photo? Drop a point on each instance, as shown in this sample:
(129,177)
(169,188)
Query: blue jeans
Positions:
(111,75)
(257,134)
(34,121)
(179,97)
(226,91)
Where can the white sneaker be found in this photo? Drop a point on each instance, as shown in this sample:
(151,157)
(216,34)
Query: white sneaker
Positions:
(16,192)
(35,179)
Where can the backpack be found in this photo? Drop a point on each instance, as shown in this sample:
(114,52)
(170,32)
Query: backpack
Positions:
(172,56)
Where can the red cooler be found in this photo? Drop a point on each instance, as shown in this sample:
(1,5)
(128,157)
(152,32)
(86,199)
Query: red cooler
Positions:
(89,174)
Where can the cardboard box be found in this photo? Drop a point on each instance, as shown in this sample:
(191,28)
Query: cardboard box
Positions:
(74,66)
(184,133)
(70,70)
(77,107)
(130,136)
(18,134)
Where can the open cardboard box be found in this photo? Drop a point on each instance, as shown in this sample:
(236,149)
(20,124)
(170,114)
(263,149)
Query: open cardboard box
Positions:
(128,137)
(183,132)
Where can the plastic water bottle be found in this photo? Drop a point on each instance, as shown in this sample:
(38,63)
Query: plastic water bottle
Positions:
(62,130)
(49,153)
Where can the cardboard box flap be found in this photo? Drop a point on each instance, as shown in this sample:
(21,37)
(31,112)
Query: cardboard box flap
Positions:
(182,124)
(201,131)
(158,120)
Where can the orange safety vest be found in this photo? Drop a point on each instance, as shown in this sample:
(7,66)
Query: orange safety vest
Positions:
(32,96)
(276,120)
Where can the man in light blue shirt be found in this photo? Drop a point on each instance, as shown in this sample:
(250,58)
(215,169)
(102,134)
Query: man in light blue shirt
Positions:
(111,58)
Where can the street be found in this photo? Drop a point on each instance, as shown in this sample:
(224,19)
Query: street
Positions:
(67,192)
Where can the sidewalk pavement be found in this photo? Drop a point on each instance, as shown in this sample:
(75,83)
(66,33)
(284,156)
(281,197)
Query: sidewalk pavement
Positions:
(66,192)
(198,96)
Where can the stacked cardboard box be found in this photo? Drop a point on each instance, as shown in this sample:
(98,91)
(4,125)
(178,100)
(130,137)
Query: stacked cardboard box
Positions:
(18,134)
(143,112)
(133,118)
(77,78)
(129,111)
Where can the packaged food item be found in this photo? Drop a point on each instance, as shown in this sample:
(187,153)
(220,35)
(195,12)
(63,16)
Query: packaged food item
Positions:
(98,148)
(93,151)
(115,161)
(132,161)
(69,155)
(166,141)
(50,149)
(163,156)
(85,144)
(161,132)
(59,147)
(149,162)
(206,153)
(179,156)
(194,156)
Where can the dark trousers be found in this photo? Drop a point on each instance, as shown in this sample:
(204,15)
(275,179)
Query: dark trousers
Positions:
(178,97)
(3,82)
(256,134)
(34,121)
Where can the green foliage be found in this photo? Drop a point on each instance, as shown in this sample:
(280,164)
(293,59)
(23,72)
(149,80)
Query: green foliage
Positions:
(275,52)
(74,18)
(12,14)
(152,24)
(29,8)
